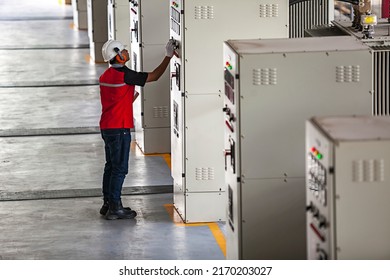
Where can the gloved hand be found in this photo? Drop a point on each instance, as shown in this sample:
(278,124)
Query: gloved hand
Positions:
(170,48)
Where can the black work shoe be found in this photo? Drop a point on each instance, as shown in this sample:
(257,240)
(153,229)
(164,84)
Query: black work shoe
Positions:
(104,209)
(116,211)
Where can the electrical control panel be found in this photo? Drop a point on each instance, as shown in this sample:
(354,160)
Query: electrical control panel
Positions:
(80,18)
(347,187)
(149,28)
(118,13)
(97,28)
(199,28)
(272,86)
(346,23)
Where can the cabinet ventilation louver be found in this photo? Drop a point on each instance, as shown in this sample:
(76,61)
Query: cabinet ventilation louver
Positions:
(368,170)
(204,173)
(264,76)
(348,74)
(269,10)
(204,12)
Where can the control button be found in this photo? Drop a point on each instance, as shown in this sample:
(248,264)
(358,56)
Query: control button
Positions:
(322,222)
(322,255)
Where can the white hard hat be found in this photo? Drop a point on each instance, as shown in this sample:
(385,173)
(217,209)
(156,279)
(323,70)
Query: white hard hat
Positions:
(111,48)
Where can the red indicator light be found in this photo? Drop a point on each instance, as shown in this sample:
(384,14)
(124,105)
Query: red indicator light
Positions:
(316,153)
(229,66)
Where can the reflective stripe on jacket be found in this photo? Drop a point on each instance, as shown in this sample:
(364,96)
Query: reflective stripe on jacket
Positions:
(117,100)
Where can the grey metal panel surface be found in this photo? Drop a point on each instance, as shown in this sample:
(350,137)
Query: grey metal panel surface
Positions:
(80,19)
(97,20)
(118,19)
(200,27)
(276,93)
(203,121)
(154,22)
(213,16)
(154,140)
(311,44)
(273,219)
(155,95)
(358,128)
(361,224)
(204,206)
(281,108)
(178,139)
(148,40)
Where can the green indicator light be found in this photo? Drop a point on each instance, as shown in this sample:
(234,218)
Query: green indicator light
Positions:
(230,67)
(319,156)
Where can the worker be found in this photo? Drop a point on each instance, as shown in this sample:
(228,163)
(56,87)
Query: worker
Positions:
(117,86)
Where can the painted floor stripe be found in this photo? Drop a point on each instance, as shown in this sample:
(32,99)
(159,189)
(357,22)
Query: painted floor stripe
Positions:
(135,148)
(88,58)
(214,228)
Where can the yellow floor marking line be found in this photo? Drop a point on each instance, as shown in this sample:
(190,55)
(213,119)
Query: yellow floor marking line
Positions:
(214,228)
(136,149)
(88,58)
(166,157)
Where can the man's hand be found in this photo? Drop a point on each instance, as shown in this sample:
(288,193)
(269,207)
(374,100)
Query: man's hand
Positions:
(170,48)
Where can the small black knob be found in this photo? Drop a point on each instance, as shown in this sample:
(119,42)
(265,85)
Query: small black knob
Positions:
(322,255)
(322,222)
(310,207)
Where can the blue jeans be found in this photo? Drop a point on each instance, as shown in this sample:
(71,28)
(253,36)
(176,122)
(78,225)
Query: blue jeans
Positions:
(117,149)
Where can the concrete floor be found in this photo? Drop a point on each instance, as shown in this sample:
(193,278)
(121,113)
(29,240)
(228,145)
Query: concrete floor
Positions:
(52,158)
(48,67)
(73,229)
(30,108)
(24,32)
